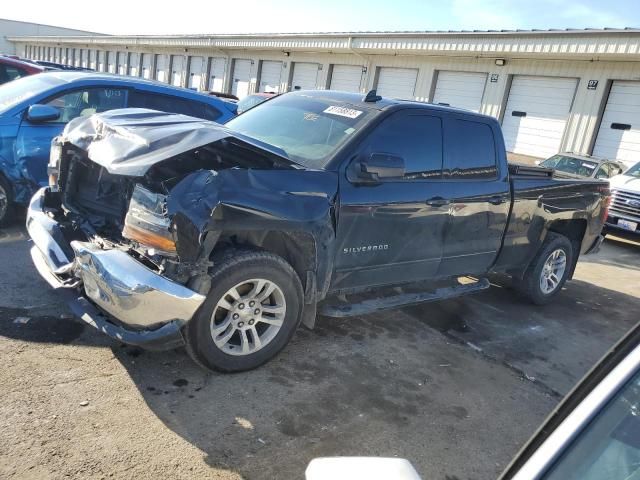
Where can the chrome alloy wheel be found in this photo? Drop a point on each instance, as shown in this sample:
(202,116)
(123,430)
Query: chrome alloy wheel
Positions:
(553,271)
(248,317)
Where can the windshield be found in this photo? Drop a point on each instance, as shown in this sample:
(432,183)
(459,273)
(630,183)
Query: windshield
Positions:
(573,165)
(634,171)
(251,101)
(12,93)
(309,130)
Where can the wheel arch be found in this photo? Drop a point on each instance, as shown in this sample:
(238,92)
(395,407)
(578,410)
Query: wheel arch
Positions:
(298,248)
(574,230)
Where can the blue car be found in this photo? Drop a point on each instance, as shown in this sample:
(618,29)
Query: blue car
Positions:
(36,108)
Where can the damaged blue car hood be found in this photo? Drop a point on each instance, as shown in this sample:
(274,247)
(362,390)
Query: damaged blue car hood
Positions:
(129,141)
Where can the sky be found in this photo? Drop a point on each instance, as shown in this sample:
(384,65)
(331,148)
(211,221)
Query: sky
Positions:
(144,17)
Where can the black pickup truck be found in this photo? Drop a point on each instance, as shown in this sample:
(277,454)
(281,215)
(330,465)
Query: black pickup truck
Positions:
(165,230)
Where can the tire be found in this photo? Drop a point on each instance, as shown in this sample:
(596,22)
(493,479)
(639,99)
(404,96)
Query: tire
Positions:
(6,203)
(225,315)
(533,285)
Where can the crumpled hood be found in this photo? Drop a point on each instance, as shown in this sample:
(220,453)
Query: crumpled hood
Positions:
(625,181)
(129,141)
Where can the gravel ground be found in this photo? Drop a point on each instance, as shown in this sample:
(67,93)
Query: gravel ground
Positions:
(456,387)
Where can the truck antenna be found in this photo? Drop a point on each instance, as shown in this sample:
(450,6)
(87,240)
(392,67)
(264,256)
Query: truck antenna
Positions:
(372,97)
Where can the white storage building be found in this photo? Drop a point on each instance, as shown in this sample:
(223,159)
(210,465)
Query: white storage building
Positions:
(12,28)
(552,90)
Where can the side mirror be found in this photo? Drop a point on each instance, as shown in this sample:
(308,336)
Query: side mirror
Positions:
(42,113)
(360,468)
(377,167)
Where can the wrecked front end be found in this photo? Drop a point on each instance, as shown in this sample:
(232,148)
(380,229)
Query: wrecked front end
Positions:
(124,229)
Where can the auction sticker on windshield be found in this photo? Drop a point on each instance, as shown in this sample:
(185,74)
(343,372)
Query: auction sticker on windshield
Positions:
(343,111)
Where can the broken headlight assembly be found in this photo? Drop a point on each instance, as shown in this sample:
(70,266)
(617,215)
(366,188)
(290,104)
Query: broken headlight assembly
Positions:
(53,167)
(147,222)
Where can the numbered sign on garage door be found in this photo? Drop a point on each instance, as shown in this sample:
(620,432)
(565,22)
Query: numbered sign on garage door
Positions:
(241,78)
(397,82)
(305,76)
(216,74)
(619,134)
(270,76)
(460,89)
(196,69)
(536,115)
(346,78)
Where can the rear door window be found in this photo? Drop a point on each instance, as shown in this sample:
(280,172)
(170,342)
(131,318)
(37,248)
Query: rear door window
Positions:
(470,151)
(167,103)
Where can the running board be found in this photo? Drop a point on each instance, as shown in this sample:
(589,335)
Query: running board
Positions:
(343,308)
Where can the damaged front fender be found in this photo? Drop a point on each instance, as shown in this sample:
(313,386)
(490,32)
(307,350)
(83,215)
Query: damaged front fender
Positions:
(253,207)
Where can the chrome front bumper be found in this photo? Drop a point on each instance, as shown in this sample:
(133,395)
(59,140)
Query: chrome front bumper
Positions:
(141,300)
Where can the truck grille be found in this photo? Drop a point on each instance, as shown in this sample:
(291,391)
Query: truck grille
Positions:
(92,189)
(625,203)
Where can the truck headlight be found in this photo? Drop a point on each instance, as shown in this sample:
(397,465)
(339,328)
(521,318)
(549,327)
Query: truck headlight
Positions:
(53,167)
(147,223)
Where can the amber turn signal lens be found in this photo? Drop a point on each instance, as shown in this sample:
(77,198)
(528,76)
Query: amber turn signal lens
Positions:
(53,180)
(149,239)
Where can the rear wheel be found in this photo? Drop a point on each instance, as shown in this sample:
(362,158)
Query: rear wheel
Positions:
(6,207)
(548,271)
(249,315)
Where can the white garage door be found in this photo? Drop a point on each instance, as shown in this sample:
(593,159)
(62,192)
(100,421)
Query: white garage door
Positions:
(305,76)
(111,62)
(177,70)
(460,89)
(84,58)
(162,68)
(397,82)
(93,63)
(196,72)
(536,114)
(147,60)
(122,63)
(101,61)
(134,64)
(241,78)
(270,76)
(216,74)
(619,134)
(346,78)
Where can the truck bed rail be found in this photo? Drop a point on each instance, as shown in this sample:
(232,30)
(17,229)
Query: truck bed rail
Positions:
(529,170)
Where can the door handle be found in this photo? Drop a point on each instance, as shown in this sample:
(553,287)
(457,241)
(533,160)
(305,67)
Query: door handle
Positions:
(496,200)
(438,202)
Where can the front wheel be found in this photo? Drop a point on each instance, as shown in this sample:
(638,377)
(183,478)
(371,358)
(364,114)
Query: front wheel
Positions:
(548,271)
(249,315)
(5,203)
